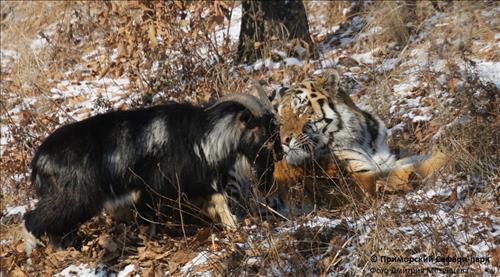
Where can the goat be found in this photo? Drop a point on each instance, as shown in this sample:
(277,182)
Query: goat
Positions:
(146,156)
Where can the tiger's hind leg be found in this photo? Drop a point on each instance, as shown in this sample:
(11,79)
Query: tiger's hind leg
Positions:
(366,181)
(411,170)
(429,166)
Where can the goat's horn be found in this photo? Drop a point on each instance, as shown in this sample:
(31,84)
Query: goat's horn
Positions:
(250,102)
(264,99)
(263,95)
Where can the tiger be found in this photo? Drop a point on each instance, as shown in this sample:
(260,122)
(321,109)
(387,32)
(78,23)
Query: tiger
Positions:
(329,143)
(319,120)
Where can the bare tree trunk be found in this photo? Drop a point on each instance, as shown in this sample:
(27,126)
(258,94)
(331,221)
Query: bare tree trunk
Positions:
(271,21)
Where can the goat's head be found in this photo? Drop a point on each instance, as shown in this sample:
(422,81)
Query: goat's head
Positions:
(261,133)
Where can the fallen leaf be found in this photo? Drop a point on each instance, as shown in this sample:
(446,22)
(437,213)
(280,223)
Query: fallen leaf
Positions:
(202,235)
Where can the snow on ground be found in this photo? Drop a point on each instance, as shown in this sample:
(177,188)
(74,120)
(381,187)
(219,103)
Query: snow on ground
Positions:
(9,211)
(489,71)
(83,98)
(14,210)
(269,64)
(448,218)
(366,58)
(221,33)
(419,222)
(202,258)
(421,215)
(85,270)
(126,271)
(317,221)
(7,58)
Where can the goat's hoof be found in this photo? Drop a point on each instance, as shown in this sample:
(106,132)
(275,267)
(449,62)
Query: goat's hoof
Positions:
(229,222)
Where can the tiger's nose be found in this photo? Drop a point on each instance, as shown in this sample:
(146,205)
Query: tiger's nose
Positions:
(285,140)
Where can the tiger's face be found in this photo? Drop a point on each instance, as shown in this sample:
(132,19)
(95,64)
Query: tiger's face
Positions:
(318,118)
(305,114)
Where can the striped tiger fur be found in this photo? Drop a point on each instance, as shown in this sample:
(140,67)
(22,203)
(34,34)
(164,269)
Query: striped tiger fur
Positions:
(318,118)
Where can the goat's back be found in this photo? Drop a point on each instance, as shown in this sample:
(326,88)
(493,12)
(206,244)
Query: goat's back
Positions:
(102,148)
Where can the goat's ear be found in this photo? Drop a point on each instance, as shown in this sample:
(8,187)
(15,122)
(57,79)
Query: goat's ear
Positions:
(247,118)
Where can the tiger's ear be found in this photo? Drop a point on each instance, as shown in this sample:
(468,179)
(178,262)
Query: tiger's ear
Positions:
(331,83)
(333,79)
(276,95)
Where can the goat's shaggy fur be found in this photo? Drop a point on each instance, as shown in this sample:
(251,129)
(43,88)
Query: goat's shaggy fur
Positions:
(154,154)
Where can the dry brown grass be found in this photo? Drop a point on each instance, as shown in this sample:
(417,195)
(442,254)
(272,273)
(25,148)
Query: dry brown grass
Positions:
(330,13)
(472,144)
(466,127)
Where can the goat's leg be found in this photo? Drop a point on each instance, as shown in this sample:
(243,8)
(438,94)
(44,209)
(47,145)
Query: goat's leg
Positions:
(218,210)
(56,215)
(148,214)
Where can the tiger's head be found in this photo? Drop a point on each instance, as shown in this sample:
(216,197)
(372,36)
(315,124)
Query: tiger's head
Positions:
(306,113)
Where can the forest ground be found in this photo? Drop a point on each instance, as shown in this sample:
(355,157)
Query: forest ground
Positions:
(431,73)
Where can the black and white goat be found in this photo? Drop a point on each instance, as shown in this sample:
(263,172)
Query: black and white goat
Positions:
(148,155)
